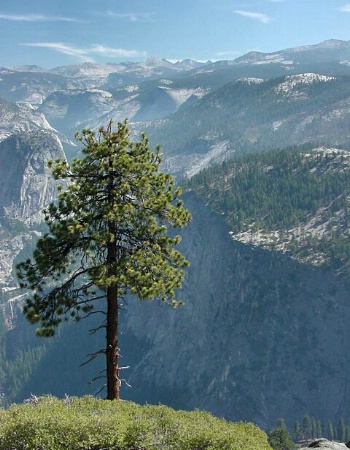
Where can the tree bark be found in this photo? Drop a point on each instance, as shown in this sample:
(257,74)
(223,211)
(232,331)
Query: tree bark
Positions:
(112,350)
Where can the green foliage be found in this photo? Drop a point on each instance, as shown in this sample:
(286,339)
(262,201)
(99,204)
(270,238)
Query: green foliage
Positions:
(280,439)
(20,369)
(341,432)
(278,191)
(312,428)
(90,424)
(116,195)
(107,235)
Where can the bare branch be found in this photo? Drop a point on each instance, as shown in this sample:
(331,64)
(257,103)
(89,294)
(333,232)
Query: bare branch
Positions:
(100,390)
(92,356)
(95,330)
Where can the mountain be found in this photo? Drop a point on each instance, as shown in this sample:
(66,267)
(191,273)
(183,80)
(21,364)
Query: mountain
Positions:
(26,187)
(255,102)
(263,332)
(333,50)
(256,114)
(261,336)
(293,200)
(21,118)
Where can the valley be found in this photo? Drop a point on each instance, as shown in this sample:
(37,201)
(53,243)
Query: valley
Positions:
(261,146)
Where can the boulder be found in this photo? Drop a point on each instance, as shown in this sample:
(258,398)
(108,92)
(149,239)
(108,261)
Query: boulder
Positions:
(326,445)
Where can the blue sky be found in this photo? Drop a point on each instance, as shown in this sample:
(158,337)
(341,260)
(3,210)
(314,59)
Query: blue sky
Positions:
(52,33)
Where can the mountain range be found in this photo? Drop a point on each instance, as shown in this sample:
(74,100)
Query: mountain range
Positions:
(263,333)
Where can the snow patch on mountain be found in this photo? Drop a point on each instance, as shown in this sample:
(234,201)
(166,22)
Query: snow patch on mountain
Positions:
(181,95)
(88,70)
(277,124)
(23,119)
(274,59)
(292,82)
(190,165)
(251,80)
(132,88)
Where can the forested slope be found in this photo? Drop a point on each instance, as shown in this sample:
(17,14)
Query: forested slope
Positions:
(294,200)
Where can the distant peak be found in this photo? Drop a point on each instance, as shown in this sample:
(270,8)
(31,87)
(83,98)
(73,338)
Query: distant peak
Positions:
(250,57)
(29,68)
(153,60)
(333,43)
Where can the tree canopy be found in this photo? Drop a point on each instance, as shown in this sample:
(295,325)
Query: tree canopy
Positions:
(107,237)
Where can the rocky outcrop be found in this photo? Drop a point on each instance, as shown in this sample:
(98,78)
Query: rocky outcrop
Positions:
(26,183)
(326,445)
(260,336)
(21,118)
(26,187)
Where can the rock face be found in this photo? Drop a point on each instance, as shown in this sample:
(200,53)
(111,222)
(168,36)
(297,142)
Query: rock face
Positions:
(325,444)
(260,336)
(26,183)
(26,186)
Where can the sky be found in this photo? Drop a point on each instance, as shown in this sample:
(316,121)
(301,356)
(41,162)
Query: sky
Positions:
(52,33)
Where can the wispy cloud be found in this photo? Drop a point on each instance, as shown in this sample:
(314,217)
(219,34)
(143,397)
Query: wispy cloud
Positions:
(132,17)
(113,52)
(79,53)
(87,54)
(36,18)
(345,8)
(254,15)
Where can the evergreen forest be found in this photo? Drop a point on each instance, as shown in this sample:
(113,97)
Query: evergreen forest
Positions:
(294,200)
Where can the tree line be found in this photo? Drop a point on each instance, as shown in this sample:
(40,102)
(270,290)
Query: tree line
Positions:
(281,190)
(309,428)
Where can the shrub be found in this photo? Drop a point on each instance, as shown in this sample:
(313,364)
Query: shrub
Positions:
(93,424)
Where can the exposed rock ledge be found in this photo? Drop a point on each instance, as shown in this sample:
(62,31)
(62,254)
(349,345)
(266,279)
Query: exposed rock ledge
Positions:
(326,445)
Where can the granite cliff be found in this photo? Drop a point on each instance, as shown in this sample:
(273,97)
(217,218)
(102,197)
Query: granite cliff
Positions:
(26,186)
(261,336)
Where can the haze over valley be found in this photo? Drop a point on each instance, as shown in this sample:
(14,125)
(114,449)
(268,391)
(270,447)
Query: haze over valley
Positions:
(261,147)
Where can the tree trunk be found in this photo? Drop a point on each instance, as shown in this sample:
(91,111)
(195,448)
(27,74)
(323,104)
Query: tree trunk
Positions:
(112,350)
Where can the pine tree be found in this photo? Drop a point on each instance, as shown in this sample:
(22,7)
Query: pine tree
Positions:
(341,430)
(107,237)
(280,439)
(281,423)
(347,434)
(298,434)
(307,427)
(330,431)
(319,432)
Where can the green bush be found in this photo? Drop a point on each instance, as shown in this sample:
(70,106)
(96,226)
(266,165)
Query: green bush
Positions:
(87,423)
(280,439)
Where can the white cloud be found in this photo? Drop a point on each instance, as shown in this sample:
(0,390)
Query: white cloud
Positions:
(116,52)
(35,18)
(345,8)
(86,54)
(254,15)
(131,17)
(66,49)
